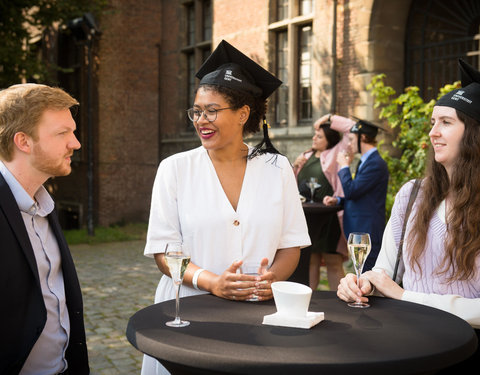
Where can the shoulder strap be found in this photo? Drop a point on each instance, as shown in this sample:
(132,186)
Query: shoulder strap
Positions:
(413,195)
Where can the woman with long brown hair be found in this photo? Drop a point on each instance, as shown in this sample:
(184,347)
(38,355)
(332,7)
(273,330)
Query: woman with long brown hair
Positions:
(440,262)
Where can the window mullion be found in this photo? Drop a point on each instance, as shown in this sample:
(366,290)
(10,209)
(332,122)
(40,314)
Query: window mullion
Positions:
(293,67)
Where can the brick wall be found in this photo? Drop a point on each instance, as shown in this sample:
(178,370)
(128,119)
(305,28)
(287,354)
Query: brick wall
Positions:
(142,81)
(244,25)
(127,133)
(347,64)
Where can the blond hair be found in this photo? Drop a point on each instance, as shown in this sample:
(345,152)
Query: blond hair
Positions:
(21,108)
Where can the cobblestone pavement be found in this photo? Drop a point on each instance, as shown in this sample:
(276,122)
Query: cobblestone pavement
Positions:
(117,280)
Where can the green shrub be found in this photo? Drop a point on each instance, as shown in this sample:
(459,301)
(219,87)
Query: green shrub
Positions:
(409,117)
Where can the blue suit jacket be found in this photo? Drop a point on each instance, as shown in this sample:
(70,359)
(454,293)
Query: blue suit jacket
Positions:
(364,202)
(23,313)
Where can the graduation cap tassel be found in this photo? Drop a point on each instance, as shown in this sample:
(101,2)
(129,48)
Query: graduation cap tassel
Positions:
(265,146)
(266,138)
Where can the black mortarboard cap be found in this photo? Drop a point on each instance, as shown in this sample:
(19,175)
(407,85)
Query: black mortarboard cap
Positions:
(468,73)
(467,98)
(228,67)
(365,127)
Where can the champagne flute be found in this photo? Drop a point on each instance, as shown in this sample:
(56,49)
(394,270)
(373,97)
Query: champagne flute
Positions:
(177,258)
(359,246)
(313,185)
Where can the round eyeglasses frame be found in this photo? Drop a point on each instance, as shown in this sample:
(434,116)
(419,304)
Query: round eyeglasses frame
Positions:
(209,114)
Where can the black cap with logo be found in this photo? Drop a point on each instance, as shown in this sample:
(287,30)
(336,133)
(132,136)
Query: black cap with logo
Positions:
(467,98)
(228,67)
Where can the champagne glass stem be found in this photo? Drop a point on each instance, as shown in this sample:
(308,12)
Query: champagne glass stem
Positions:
(177,304)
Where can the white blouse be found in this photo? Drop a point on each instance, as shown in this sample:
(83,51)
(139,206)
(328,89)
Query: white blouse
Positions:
(189,204)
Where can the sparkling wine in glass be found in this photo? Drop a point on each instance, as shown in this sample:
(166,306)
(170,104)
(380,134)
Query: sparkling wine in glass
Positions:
(177,258)
(359,246)
(313,185)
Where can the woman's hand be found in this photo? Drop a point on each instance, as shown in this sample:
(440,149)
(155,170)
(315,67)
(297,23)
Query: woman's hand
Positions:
(384,284)
(242,286)
(263,283)
(283,265)
(344,159)
(232,285)
(324,119)
(349,291)
(237,286)
(299,161)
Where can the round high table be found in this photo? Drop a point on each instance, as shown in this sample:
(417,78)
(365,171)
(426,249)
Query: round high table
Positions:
(390,337)
(318,208)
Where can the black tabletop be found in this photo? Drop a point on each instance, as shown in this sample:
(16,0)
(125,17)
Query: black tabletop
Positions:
(319,208)
(224,336)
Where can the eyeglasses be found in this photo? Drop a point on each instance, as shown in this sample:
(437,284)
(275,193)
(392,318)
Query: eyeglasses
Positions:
(210,114)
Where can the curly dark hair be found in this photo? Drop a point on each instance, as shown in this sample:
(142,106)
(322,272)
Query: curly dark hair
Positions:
(237,99)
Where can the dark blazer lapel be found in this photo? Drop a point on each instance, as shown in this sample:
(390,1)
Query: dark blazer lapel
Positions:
(9,206)
(77,354)
(57,231)
(72,285)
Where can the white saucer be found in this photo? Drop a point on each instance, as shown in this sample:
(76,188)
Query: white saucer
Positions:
(306,322)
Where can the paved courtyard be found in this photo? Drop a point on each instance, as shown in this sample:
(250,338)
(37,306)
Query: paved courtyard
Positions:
(116,280)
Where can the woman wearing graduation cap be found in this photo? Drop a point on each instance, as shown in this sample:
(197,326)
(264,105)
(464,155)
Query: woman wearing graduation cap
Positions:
(440,261)
(229,203)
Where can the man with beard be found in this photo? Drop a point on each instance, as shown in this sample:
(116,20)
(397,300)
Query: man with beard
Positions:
(41,319)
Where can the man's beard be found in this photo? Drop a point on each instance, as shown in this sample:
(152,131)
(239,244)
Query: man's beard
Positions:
(48,165)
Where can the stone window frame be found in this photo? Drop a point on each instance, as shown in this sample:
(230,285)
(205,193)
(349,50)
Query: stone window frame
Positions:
(198,26)
(291,26)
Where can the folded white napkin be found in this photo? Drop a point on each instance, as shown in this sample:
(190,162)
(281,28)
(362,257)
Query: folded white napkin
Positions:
(308,321)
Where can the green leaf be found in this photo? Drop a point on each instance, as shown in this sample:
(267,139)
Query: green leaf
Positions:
(411,116)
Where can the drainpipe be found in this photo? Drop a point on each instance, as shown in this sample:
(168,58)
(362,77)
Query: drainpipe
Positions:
(334,59)
(159,127)
(90,166)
